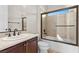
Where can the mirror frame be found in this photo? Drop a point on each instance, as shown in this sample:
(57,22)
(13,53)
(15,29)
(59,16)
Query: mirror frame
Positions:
(76,25)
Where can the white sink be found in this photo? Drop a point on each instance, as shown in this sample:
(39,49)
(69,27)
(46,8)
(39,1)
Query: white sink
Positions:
(16,37)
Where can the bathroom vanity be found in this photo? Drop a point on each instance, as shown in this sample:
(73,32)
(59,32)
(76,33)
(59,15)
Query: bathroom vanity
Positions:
(14,21)
(28,44)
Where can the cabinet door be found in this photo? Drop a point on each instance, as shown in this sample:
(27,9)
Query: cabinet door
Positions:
(26,47)
(30,46)
(19,48)
(33,46)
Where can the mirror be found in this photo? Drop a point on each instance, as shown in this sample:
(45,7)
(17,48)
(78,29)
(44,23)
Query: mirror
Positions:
(60,25)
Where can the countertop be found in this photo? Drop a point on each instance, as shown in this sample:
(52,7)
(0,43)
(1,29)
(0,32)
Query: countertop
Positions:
(8,43)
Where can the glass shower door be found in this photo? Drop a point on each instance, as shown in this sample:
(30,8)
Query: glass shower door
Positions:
(66,26)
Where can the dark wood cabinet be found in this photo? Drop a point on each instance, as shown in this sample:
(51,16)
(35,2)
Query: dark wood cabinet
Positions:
(16,48)
(32,46)
(29,46)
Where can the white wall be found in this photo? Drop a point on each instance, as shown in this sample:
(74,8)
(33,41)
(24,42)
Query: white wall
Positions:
(3,17)
(41,9)
(16,12)
(31,19)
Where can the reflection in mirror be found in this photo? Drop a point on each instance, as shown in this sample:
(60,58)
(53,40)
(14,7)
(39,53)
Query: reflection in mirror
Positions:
(60,25)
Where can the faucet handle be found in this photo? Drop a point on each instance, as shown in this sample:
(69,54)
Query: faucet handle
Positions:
(18,32)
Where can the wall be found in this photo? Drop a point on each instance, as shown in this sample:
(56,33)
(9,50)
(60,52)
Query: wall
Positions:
(3,18)
(31,18)
(16,12)
(15,17)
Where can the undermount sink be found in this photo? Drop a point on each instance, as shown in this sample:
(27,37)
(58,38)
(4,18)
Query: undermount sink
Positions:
(15,37)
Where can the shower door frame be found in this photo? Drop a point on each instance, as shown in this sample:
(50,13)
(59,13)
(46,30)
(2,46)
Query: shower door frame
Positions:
(76,25)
